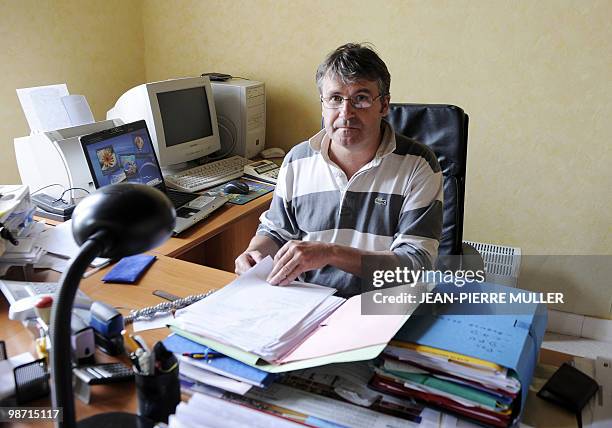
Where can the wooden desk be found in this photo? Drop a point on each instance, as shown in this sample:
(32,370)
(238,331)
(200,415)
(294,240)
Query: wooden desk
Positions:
(183,278)
(172,275)
(218,240)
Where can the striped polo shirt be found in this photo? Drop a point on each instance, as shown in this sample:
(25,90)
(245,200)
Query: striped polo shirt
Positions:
(392,203)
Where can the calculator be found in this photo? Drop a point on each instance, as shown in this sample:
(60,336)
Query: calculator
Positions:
(101,374)
(263,170)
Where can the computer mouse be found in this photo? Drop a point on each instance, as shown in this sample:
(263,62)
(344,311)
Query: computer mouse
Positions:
(237,187)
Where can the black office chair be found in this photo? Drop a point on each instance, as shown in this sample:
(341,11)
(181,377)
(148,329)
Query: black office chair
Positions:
(444,129)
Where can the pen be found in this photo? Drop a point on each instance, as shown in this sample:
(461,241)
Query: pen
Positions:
(129,344)
(201,356)
(97,269)
(140,341)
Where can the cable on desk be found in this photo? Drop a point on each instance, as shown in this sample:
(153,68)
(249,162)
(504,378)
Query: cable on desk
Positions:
(152,311)
(68,190)
(45,187)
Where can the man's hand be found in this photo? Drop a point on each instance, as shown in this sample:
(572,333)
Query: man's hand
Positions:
(247,260)
(296,257)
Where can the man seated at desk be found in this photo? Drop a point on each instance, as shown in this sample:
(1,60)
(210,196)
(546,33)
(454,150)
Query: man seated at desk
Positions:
(355,188)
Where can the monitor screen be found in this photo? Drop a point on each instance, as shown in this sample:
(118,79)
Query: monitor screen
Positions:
(126,157)
(185,115)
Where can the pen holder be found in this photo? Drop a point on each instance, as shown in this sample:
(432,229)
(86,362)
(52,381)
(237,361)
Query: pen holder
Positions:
(158,395)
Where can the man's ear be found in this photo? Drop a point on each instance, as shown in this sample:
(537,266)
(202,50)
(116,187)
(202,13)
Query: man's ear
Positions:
(384,105)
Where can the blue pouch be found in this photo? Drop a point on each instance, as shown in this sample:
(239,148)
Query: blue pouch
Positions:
(129,269)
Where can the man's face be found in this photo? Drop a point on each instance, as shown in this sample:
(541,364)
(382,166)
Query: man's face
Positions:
(348,126)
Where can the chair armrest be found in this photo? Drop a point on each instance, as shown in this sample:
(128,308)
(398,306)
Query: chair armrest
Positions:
(471,258)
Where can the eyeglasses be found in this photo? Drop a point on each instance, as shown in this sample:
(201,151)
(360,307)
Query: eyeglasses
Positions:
(359,101)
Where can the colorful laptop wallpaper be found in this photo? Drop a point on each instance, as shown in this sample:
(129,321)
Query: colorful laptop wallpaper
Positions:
(123,158)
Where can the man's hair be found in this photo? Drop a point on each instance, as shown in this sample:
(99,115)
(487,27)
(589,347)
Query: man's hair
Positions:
(352,62)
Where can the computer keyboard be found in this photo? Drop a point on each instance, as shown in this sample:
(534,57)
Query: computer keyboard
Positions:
(207,175)
(179,199)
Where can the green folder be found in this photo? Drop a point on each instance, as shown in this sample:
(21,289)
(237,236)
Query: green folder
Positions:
(466,392)
(253,360)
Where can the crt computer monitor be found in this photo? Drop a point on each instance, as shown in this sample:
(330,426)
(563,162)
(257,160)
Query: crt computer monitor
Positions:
(180,115)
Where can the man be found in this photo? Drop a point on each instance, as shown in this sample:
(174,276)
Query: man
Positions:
(354,189)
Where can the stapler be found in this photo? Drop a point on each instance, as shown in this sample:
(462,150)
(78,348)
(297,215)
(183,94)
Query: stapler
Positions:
(107,323)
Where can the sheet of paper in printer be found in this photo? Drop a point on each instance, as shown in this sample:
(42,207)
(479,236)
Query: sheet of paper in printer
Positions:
(51,107)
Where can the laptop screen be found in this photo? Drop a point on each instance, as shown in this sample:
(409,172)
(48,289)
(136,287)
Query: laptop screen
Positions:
(122,155)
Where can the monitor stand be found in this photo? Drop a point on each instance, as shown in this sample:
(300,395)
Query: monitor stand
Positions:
(180,167)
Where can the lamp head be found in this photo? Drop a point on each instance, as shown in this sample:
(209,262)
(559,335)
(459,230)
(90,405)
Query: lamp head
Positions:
(134,217)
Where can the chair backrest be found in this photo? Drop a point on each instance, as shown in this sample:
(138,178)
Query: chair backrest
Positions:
(444,128)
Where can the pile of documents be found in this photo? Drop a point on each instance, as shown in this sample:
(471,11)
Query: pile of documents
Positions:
(475,361)
(202,367)
(334,395)
(215,412)
(60,246)
(279,351)
(38,245)
(260,319)
(286,353)
(279,329)
(16,216)
(474,388)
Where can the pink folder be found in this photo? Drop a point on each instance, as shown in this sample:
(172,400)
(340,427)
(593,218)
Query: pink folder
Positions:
(345,330)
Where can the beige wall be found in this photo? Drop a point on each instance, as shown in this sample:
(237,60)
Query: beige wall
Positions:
(534,76)
(96,47)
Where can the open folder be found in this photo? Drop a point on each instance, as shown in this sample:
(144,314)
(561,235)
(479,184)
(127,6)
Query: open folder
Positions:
(503,338)
(279,329)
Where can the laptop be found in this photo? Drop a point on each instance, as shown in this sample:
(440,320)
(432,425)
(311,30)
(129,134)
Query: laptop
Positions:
(124,154)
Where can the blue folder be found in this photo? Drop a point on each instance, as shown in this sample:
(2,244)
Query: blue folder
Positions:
(223,365)
(509,335)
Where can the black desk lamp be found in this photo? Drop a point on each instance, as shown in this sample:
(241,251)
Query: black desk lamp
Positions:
(116,221)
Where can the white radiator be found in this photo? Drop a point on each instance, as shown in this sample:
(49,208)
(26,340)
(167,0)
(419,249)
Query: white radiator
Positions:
(501,263)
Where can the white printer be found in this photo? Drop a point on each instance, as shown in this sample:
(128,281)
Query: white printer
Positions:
(56,157)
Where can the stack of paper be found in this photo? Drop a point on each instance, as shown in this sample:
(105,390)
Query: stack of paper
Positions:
(213,412)
(299,326)
(15,207)
(335,395)
(26,251)
(348,382)
(251,315)
(474,388)
(277,406)
(279,329)
(60,246)
(219,371)
(473,360)
(16,215)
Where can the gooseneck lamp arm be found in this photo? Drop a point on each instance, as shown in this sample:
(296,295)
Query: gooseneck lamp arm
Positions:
(116,221)
(61,364)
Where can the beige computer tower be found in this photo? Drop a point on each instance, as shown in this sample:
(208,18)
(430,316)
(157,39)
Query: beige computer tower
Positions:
(241,114)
